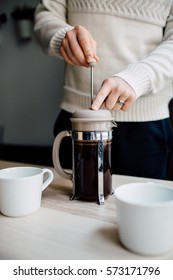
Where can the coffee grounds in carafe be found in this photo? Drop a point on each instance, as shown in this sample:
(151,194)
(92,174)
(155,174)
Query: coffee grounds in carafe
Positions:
(86,169)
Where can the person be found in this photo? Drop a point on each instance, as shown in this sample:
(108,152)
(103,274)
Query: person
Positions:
(132,44)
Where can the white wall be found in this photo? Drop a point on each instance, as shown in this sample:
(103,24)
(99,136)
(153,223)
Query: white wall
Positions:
(31,85)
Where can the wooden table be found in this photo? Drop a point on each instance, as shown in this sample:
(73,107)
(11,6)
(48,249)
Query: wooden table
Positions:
(64,229)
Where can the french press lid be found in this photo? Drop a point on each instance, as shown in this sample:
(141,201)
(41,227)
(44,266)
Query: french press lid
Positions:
(92,120)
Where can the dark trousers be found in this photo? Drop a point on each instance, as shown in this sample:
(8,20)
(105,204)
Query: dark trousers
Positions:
(138,148)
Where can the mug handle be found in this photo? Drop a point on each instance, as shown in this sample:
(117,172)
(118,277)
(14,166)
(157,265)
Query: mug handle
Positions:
(49,179)
(55,155)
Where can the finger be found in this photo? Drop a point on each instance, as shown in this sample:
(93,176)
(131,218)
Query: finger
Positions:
(100,98)
(117,97)
(94,48)
(68,51)
(84,39)
(127,105)
(65,56)
(129,99)
(81,46)
(119,104)
(77,52)
(124,103)
(74,47)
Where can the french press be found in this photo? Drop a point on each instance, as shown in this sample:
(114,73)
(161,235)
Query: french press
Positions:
(91,155)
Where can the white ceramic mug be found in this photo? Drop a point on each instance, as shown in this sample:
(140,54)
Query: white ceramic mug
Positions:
(21,189)
(145,217)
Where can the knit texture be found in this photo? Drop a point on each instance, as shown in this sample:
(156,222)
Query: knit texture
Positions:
(130,44)
(144,10)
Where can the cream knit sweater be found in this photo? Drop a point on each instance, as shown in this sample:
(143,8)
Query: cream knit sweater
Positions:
(134,41)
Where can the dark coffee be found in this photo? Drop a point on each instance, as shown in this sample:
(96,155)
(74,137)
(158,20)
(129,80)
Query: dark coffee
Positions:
(86,165)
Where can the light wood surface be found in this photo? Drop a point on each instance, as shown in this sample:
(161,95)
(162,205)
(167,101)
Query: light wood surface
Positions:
(64,229)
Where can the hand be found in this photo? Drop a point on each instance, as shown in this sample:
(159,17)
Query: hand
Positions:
(78,47)
(114,94)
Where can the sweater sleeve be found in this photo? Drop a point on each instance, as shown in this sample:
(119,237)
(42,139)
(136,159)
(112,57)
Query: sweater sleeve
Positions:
(51,25)
(155,71)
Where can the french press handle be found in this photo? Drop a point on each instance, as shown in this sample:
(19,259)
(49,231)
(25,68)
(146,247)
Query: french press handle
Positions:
(55,155)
